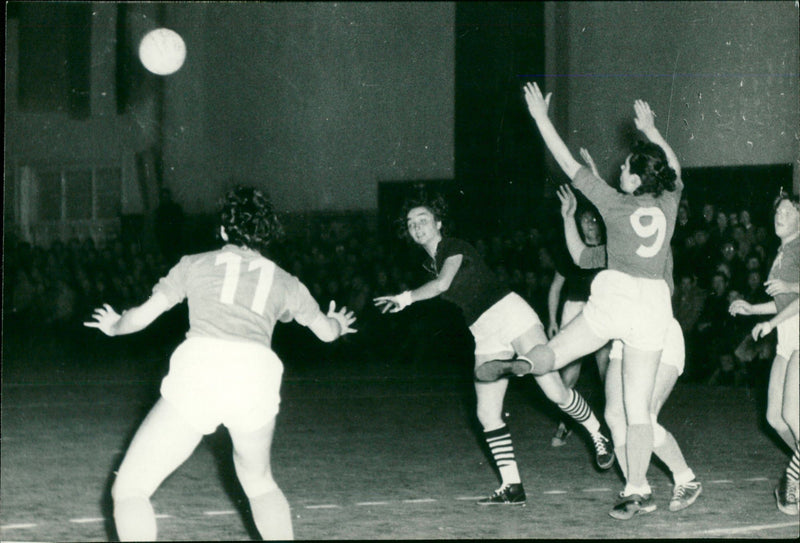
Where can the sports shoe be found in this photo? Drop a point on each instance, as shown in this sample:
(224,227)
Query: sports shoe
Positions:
(560,437)
(603,453)
(786,495)
(684,495)
(493,370)
(512,494)
(635,504)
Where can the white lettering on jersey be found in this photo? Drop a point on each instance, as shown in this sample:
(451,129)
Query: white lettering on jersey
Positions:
(266,271)
(233,264)
(657,227)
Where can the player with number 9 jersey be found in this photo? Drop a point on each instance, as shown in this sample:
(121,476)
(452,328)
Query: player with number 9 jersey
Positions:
(630,301)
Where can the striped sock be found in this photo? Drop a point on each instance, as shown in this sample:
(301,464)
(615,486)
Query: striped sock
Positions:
(578,409)
(793,469)
(499,441)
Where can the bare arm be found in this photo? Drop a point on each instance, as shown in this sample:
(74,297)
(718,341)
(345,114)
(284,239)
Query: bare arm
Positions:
(763,328)
(779,286)
(133,320)
(429,290)
(553,295)
(645,121)
(741,307)
(537,106)
(569,203)
(334,324)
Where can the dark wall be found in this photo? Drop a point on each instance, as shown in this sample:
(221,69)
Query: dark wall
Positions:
(498,157)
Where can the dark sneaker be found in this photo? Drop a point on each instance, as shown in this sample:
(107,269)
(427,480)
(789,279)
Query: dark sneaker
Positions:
(786,496)
(685,495)
(506,495)
(629,506)
(603,453)
(493,370)
(560,437)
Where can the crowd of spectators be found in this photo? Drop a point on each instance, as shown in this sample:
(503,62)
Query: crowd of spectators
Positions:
(720,255)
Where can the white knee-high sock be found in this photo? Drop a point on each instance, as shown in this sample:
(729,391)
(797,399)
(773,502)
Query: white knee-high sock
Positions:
(135,519)
(272,516)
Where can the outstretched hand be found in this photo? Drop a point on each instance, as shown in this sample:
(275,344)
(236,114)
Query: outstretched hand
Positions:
(645,118)
(537,104)
(740,307)
(393,304)
(568,201)
(344,317)
(587,158)
(104,319)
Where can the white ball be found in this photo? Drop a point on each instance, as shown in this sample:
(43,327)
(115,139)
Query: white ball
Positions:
(162,51)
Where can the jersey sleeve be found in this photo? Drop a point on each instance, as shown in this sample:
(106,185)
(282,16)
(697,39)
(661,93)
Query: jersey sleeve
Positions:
(173,285)
(300,304)
(595,189)
(593,257)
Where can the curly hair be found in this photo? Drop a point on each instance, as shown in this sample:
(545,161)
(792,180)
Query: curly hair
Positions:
(649,162)
(249,219)
(435,203)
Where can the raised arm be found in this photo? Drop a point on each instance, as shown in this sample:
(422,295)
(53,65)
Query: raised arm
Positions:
(645,122)
(137,318)
(429,290)
(537,106)
(569,203)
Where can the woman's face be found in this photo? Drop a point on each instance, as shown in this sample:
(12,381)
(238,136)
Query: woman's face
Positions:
(787,219)
(423,226)
(590,228)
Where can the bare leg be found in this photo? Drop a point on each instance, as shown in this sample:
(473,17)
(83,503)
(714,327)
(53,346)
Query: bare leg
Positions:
(571,343)
(775,402)
(162,443)
(251,458)
(638,379)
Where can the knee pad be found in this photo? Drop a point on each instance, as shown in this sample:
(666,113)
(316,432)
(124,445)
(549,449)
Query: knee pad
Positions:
(543,359)
(659,432)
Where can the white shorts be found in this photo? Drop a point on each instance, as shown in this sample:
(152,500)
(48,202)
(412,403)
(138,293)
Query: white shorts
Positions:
(674,353)
(501,324)
(570,310)
(788,337)
(633,309)
(215,381)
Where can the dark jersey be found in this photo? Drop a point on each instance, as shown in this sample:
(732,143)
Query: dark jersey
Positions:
(578,281)
(475,288)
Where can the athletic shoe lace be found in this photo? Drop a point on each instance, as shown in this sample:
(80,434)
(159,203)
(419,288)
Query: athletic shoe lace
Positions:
(682,490)
(600,443)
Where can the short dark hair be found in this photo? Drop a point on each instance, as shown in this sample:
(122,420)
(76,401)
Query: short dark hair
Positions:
(249,219)
(649,162)
(435,203)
